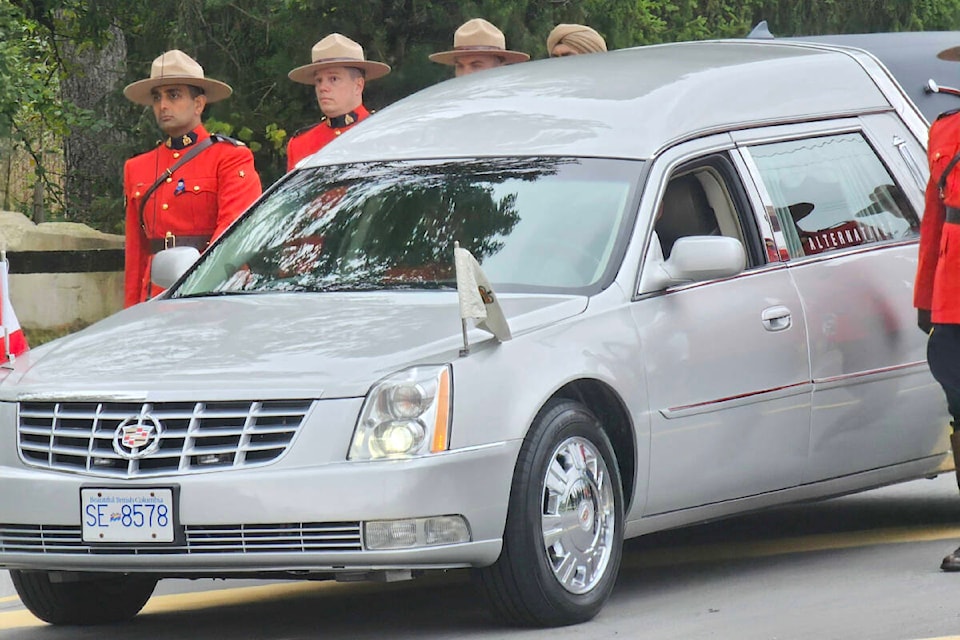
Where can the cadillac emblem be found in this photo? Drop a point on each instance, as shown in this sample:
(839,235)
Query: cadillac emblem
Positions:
(137,437)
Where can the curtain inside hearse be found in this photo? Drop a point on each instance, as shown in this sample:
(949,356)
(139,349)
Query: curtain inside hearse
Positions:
(832,192)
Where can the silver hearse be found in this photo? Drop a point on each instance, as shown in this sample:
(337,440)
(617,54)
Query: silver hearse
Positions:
(703,253)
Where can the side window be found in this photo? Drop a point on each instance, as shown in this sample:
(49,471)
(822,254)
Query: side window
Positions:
(832,193)
(684,211)
(705,198)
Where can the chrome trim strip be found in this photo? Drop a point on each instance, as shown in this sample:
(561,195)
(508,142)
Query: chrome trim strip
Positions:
(799,388)
(796,389)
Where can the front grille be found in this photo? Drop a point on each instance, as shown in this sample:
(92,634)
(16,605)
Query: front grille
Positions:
(203,436)
(310,537)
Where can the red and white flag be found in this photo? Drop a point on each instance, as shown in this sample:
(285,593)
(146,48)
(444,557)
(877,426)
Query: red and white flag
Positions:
(8,320)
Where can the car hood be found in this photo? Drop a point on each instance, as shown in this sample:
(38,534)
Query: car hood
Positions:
(258,346)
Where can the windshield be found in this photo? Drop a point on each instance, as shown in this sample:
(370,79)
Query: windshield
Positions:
(534,224)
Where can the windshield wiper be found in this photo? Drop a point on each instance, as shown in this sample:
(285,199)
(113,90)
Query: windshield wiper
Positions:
(214,294)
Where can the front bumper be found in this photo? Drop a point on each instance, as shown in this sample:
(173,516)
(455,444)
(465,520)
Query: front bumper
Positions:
(269,519)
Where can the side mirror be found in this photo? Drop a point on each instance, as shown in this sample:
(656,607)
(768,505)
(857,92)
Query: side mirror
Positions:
(695,259)
(168,265)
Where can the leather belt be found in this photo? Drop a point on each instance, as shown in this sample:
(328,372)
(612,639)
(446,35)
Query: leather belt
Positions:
(952,215)
(197,242)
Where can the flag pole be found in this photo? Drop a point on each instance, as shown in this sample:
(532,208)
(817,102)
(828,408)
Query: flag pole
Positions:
(465,351)
(466,345)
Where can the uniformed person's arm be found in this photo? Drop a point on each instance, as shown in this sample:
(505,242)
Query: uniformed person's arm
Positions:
(930,228)
(238,185)
(292,155)
(135,256)
(302,143)
(939,154)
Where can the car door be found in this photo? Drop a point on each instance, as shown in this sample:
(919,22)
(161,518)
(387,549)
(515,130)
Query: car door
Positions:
(726,360)
(847,196)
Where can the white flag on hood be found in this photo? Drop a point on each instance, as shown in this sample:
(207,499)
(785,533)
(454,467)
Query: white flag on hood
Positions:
(477,299)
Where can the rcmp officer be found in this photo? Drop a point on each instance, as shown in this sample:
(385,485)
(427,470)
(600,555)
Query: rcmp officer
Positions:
(192,186)
(937,287)
(477,45)
(338,74)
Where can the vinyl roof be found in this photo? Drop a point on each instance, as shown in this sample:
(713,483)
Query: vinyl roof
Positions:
(627,103)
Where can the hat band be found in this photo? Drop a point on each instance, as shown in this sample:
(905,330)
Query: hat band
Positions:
(329,60)
(478,47)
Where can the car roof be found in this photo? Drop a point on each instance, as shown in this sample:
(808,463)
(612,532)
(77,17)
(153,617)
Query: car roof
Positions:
(627,103)
(912,59)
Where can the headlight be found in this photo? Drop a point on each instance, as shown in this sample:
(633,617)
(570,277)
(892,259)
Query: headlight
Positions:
(406,414)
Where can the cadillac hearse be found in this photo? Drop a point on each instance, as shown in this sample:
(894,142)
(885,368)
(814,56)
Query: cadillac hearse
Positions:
(703,254)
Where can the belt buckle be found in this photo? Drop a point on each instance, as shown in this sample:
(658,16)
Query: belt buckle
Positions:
(169,240)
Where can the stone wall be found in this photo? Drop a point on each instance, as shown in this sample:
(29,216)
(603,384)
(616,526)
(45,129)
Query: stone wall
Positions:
(56,300)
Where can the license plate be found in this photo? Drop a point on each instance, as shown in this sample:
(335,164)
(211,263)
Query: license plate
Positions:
(127,515)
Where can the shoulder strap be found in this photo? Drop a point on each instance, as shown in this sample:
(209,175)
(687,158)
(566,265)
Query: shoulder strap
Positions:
(187,157)
(942,182)
(219,137)
(309,127)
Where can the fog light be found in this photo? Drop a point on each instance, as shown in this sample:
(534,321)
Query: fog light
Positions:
(446,530)
(415,532)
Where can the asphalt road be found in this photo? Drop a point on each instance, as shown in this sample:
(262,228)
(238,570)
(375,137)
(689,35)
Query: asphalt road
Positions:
(859,567)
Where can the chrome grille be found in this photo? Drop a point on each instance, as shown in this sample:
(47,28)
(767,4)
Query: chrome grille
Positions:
(312,537)
(202,436)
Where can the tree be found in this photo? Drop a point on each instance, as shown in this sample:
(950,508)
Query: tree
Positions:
(91,85)
(252,44)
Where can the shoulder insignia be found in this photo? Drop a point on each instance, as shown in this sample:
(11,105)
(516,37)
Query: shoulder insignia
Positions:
(946,114)
(308,127)
(219,137)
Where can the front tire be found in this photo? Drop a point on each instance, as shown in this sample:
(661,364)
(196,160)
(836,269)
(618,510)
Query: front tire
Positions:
(564,532)
(105,599)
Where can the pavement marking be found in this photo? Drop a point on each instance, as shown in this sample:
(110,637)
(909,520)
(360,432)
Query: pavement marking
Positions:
(782,546)
(190,601)
(195,600)
(225,597)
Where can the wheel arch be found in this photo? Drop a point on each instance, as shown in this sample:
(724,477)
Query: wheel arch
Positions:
(605,403)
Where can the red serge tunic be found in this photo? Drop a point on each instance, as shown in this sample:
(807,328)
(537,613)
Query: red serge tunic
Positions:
(312,139)
(937,287)
(197,202)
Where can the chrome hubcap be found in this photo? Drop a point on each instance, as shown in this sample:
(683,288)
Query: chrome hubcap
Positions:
(578,516)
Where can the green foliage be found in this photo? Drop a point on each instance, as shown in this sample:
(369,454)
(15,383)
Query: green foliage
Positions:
(252,44)
(276,136)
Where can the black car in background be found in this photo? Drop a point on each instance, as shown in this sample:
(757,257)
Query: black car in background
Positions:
(910,56)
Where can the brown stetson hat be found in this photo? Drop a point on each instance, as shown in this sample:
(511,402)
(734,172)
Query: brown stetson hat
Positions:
(337,51)
(952,54)
(175,67)
(478,37)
